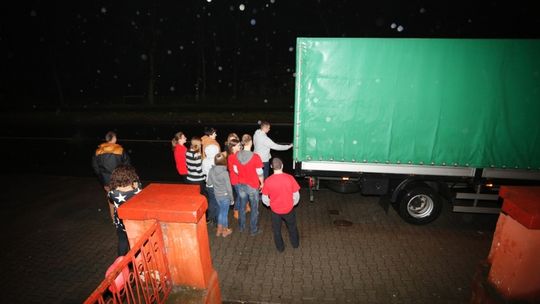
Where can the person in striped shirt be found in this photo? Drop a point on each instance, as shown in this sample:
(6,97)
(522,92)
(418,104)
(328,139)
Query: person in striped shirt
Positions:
(194,162)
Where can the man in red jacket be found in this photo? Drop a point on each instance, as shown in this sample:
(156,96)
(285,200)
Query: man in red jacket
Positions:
(280,192)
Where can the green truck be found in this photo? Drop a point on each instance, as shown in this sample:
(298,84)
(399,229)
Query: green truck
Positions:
(418,121)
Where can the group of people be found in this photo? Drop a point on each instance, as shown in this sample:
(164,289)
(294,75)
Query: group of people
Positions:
(237,175)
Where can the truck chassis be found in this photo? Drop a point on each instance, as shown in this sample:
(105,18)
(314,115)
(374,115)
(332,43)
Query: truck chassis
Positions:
(419,192)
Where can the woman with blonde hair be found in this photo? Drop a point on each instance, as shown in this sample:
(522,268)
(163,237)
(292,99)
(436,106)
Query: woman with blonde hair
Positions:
(228,141)
(194,163)
(179,149)
(218,178)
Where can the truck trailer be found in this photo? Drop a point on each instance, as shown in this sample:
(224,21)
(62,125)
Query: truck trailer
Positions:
(418,121)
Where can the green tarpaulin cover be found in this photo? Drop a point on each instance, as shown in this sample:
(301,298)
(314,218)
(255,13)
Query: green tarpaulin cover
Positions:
(453,102)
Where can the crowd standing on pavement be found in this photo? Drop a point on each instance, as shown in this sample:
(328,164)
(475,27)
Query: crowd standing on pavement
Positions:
(238,177)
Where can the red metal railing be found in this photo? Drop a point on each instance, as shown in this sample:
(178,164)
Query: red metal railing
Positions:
(141,276)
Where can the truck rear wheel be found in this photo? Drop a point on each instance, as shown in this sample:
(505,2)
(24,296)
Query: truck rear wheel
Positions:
(420,205)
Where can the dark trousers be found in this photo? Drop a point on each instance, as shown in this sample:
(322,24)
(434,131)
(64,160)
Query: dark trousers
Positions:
(123,242)
(202,185)
(290,222)
(212,211)
(266,169)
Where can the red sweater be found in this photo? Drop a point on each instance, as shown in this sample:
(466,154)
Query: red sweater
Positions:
(231,159)
(247,173)
(280,188)
(180,159)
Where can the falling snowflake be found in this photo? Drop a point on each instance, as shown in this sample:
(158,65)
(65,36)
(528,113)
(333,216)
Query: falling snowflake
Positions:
(242,7)
(253,22)
(393,26)
(291,49)
(33,13)
(144,57)
(103,10)
(400,28)
(169,52)
(172,89)
(220,68)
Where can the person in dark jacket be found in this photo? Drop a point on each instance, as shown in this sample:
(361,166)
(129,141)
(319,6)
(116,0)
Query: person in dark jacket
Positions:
(124,185)
(108,156)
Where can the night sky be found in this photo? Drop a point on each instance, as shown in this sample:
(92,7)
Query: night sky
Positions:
(67,53)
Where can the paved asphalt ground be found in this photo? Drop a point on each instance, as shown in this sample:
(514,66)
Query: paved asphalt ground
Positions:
(58,241)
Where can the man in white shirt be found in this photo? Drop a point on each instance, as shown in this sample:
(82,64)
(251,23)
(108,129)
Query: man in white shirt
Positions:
(262,145)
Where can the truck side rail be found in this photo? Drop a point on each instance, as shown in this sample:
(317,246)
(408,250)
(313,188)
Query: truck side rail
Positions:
(429,170)
(387,168)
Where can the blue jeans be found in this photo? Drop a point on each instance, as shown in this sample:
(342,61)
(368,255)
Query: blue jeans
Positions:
(236,196)
(252,195)
(222,219)
(212,211)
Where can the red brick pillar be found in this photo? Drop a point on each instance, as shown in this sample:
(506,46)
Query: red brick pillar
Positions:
(514,259)
(180,210)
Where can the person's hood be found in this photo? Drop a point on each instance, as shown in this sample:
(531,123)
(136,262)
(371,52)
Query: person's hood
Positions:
(244,156)
(205,139)
(221,169)
(259,134)
(106,148)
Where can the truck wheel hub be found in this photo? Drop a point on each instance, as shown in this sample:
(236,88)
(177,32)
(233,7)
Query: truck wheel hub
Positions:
(420,206)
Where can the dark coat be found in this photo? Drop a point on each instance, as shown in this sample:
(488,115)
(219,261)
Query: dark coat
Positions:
(108,156)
